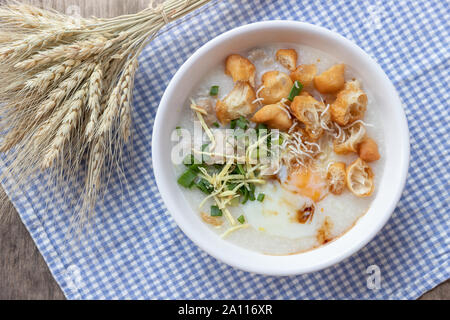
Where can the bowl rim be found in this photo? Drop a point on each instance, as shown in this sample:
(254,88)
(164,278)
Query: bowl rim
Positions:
(164,188)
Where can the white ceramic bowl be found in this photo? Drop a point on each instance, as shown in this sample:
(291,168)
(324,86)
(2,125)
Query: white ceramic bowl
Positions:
(373,77)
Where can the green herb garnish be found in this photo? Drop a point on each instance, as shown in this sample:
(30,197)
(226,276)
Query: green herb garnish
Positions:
(240,169)
(261,197)
(214,91)
(204,186)
(242,123)
(295,91)
(245,194)
(241,219)
(231,186)
(216,124)
(251,192)
(187,179)
(215,211)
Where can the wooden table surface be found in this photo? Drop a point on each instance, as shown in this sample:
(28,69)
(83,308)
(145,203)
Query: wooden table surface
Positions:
(23,272)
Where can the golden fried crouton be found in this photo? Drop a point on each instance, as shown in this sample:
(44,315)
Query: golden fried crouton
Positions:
(305,74)
(274,116)
(287,58)
(350,104)
(368,150)
(353,137)
(305,94)
(359,178)
(311,113)
(239,102)
(240,69)
(336,177)
(277,85)
(332,80)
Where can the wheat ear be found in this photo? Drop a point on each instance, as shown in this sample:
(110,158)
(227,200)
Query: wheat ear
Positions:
(78,51)
(95,93)
(30,43)
(110,113)
(44,79)
(66,87)
(68,125)
(126,91)
(31,17)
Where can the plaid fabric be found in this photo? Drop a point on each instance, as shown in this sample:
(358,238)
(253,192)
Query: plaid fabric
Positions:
(135,250)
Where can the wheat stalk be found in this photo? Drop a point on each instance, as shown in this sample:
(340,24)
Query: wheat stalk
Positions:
(66,91)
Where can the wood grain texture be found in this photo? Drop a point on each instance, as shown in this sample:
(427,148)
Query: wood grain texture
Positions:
(23,272)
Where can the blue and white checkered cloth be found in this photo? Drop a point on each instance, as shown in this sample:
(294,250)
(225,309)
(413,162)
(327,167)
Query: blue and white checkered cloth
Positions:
(136,251)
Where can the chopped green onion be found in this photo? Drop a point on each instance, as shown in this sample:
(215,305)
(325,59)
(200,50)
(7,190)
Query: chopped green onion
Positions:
(214,91)
(178,130)
(215,211)
(295,91)
(216,124)
(251,192)
(231,186)
(246,195)
(204,146)
(240,169)
(187,179)
(205,186)
(261,197)
(195,167)
(189,160)
(242,123)
(241,219)
(261,126)
(233,124)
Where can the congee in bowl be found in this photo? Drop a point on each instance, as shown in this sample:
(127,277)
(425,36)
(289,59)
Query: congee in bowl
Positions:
(279,149)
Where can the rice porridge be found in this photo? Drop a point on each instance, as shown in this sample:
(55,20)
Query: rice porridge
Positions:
(316,122)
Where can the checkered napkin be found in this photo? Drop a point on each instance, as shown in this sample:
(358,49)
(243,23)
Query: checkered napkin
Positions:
(135,250)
